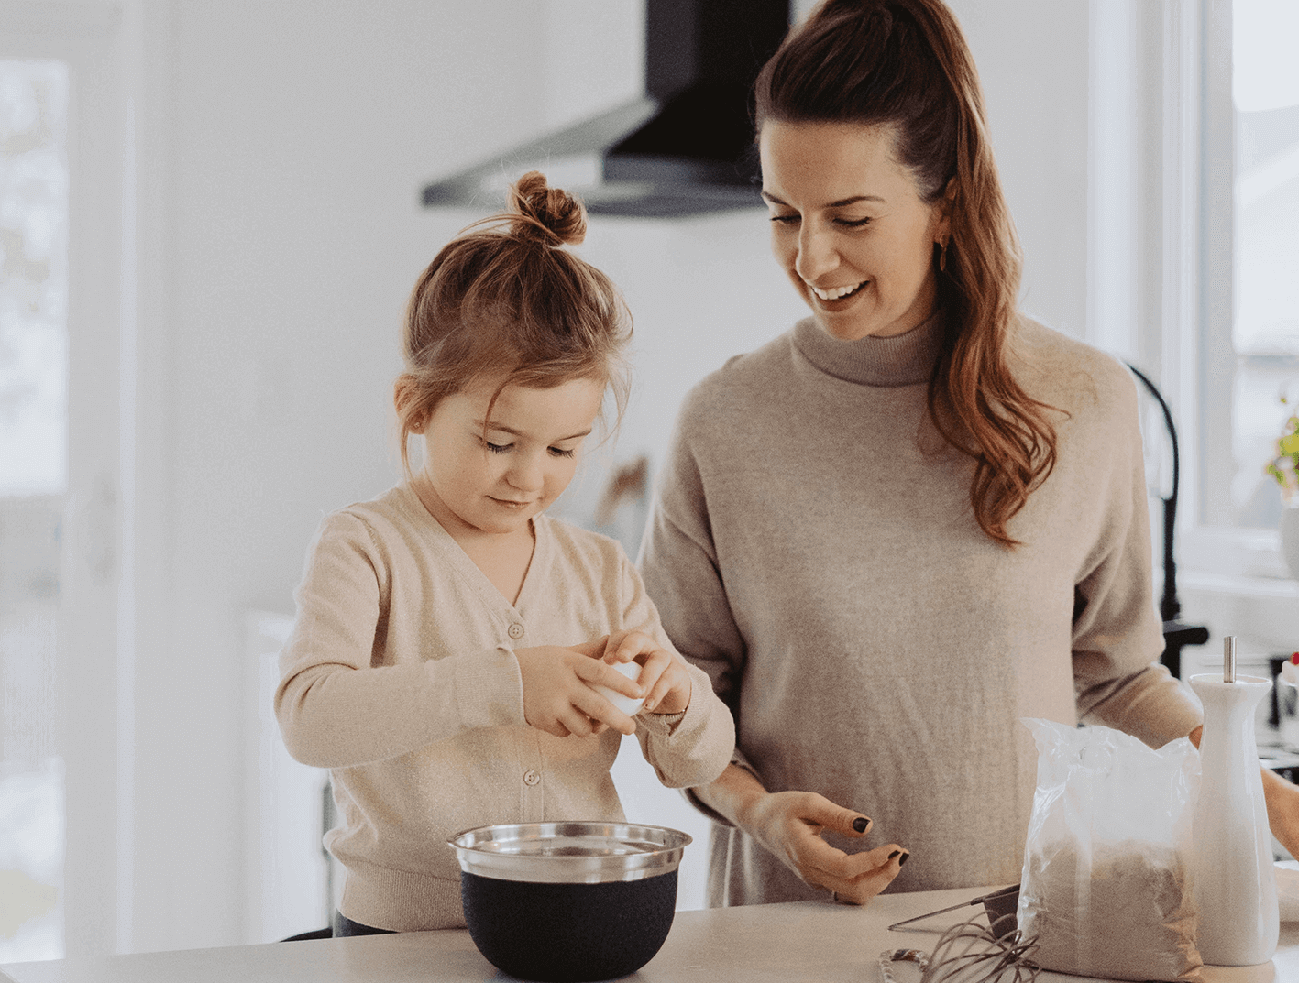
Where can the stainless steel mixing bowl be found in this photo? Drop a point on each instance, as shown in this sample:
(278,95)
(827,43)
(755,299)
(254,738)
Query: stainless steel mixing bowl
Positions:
(572,901)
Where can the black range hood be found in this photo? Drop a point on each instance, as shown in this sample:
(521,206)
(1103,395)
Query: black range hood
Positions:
(684,148)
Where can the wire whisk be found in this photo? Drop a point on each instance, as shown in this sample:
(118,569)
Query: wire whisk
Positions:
(970,952)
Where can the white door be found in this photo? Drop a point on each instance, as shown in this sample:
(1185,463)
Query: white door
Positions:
(61,179)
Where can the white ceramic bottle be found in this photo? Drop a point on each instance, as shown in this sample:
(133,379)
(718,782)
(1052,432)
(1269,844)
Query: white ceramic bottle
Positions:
(1235,881)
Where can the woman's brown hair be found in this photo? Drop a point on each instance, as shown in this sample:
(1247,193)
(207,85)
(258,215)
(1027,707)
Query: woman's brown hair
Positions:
(504,301)
(904,64)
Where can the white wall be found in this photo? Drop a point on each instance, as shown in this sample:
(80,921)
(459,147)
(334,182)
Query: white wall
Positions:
(295,138)
(284,147)
(1032,60)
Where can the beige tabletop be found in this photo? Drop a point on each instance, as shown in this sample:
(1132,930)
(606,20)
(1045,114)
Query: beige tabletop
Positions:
(797,942)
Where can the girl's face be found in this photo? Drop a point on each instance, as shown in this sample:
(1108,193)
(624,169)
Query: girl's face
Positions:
(848,226)
(493,475)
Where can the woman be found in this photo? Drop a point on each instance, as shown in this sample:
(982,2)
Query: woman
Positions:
(915,518)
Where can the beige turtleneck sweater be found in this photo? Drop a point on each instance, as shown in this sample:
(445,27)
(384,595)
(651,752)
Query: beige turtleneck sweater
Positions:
(813,548)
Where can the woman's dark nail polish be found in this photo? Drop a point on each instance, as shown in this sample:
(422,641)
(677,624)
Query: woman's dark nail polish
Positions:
(903,859)
(860,824)
(894,854)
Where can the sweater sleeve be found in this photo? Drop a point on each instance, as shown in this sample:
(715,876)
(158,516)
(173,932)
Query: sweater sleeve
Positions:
(336,707)
(679,564)
(1116,634)
(685,749)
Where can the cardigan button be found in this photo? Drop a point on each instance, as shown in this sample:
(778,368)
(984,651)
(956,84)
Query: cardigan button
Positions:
(516,632)
(530,777)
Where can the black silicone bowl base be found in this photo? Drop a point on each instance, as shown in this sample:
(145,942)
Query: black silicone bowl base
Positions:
(569,933)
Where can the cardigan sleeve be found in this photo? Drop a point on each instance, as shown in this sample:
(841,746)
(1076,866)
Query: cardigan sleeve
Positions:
(1117,635)
(335,707)
(685,749)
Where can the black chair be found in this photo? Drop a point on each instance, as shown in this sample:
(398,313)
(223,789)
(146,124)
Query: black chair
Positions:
(320,933)
(1177,633)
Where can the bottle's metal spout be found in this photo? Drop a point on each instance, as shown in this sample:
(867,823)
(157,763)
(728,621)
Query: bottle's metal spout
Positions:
(1229,659)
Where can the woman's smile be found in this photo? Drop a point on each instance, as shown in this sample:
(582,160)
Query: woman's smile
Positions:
(829,295)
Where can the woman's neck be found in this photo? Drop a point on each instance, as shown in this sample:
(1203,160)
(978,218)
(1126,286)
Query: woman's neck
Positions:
(897,360)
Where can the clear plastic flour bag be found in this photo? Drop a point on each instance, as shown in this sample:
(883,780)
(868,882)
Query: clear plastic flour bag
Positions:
(1106,886)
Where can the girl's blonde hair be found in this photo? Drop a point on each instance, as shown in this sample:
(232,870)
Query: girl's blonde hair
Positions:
(504,301)
(905,64)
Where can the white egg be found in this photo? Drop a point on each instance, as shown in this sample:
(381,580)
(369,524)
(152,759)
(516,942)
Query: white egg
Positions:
(626,704)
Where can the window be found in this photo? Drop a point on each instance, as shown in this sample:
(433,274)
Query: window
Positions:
(33,480)
(1250,324)
(64,848)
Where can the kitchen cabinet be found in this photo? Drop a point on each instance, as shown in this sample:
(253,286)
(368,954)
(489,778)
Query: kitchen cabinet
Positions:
(796,942)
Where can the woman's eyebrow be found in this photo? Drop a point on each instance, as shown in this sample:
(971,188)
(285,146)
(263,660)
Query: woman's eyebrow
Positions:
(767,196)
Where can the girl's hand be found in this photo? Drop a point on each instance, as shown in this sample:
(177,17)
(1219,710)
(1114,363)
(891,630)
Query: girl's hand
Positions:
(557,694)
(789,824)
(663,675)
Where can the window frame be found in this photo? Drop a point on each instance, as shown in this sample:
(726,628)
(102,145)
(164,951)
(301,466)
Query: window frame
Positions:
(94,661)
(1196,243)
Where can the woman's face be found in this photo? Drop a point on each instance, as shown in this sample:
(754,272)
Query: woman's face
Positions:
(848,226)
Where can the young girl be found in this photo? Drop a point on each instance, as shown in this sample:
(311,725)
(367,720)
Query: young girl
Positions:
(449,633)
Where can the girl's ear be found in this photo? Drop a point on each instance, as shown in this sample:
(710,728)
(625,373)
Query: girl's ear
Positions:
(403,396)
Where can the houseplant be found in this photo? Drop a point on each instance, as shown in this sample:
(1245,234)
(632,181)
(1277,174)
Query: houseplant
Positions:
(1285,469)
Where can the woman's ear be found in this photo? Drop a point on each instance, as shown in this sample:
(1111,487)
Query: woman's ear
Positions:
(944,230)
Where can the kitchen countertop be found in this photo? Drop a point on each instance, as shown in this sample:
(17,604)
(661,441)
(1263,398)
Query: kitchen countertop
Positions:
(781,943)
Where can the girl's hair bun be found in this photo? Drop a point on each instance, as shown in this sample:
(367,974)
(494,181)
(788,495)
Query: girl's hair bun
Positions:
(547,215)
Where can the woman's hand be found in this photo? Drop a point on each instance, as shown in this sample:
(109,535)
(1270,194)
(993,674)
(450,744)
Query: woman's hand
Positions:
(1282,800)
(557,694)
(789,824)
(663,675)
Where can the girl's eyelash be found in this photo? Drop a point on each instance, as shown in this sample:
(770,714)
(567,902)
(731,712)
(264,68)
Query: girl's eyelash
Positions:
(854,223)
(502,448)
